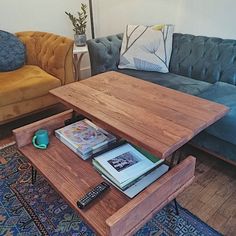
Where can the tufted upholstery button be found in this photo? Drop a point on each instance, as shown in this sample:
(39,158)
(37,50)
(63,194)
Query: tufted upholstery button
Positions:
(204,71)
(97,41)
(119,36)
(220,74)
(212,59)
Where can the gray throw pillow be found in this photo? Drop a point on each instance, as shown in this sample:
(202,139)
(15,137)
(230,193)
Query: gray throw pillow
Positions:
(12,52)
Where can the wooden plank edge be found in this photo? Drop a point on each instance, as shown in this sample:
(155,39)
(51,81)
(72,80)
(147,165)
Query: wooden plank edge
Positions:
(24,134)
(159,207)
(163,89)
(161,154)
(116,222)
(60,194)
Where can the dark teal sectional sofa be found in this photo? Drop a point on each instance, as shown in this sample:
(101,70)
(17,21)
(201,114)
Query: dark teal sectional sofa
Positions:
(201,66)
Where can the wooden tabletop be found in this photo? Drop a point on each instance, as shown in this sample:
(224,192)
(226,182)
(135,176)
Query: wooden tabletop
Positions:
(156,118)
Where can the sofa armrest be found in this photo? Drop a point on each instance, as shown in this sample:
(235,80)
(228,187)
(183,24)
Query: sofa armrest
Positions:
(52,53)
(104,53)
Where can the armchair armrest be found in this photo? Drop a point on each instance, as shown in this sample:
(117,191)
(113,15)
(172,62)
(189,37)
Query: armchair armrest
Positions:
(104,53)
(52,53)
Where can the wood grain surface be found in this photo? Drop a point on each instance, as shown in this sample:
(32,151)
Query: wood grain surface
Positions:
(24,135)
(153,199)
(213,176)
(156,118)
(72,177)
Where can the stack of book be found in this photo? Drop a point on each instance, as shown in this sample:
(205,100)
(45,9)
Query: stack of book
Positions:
(129,168)
(85,138)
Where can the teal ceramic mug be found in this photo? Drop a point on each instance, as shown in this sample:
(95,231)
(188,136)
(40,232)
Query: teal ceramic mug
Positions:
(41,139)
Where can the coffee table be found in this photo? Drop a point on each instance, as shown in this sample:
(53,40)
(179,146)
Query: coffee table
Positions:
(159,119)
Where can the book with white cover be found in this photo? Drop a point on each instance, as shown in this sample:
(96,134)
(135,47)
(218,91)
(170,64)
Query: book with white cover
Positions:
(124,163)
(144,182)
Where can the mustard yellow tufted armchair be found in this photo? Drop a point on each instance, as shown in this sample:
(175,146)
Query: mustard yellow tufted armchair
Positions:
(48,65)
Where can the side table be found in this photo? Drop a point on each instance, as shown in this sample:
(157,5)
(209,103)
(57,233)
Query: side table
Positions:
(78,53)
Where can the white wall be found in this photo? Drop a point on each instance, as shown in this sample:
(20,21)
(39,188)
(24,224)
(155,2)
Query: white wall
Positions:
(207,17)
(38,15)
(111,16)
(201,17)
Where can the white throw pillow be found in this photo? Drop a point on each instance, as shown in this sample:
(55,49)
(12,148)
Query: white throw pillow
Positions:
(146,48)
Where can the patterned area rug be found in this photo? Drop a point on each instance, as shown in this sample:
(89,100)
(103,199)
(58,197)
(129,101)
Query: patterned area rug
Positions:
(27,209)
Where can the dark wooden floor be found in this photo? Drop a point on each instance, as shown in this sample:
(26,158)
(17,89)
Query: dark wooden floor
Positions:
(212,196)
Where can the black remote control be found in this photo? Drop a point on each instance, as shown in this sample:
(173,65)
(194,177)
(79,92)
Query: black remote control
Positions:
(91,195)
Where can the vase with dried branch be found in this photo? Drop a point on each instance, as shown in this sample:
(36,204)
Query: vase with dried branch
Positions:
(79,25)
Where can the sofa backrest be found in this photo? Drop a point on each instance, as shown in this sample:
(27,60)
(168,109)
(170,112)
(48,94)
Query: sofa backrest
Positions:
(104,53)
(204,58)
(52,53)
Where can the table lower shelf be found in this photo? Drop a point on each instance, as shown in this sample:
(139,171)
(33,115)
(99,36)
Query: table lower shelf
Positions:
(113,213)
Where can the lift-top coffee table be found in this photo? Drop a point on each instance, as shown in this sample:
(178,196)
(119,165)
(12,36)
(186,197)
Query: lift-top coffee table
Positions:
(159,119)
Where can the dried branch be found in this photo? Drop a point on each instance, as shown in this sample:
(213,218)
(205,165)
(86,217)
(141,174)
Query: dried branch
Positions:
(129,46)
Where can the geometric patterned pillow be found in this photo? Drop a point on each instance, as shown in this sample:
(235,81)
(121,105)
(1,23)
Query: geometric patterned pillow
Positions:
(146,48)
(12,52)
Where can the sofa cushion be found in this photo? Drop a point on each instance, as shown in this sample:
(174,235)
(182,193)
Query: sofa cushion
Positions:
(52,53)
(146,48)
(225,94)
(173,81)
(12,52)
(25,83)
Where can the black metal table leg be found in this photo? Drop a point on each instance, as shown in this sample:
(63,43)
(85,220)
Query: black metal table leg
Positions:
(34,174)
(176,207)
(175,159)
